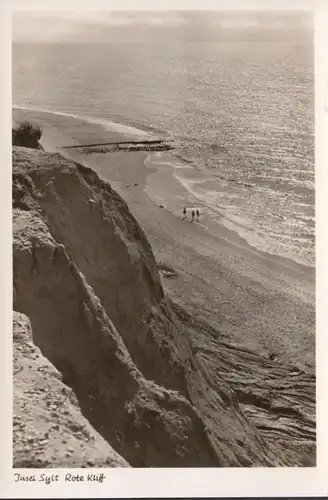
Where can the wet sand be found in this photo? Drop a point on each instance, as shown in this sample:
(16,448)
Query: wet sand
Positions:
(264,302)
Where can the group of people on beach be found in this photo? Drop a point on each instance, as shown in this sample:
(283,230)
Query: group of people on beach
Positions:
(195,214)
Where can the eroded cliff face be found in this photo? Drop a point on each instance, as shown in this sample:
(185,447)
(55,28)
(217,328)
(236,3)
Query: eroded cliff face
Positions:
(145,423)
(86,277)
(105,242)
(49,429)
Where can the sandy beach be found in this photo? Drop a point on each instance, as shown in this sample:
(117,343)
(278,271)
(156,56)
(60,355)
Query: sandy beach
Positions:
(254,299)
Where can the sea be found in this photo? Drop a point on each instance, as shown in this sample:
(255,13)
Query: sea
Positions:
(241,114)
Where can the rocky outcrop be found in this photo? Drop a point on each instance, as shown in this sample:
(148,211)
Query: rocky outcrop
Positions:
(85,275)
(49,429)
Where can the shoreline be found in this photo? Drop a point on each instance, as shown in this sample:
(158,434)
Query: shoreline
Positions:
(232,236)
(257,300)
(107,132)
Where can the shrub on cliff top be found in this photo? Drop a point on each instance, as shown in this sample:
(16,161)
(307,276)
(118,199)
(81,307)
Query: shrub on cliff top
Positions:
(26,134)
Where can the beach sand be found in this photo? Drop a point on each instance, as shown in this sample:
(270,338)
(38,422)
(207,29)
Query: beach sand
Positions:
(262,302)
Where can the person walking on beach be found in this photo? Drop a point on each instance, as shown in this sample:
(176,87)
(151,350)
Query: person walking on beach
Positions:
(184,212)
(192,215)
(197,215)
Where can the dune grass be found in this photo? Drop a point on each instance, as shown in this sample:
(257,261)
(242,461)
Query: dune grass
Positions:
(26,134)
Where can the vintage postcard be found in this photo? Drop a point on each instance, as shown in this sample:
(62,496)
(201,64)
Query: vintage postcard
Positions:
(166,334)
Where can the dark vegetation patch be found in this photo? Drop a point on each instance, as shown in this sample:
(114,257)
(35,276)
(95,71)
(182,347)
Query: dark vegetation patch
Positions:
(26,134)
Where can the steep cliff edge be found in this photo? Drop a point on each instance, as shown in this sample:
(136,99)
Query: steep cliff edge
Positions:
(146,424)
(149,379)
(49,429)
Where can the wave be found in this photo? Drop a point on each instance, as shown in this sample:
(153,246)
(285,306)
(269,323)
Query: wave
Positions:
(284,240)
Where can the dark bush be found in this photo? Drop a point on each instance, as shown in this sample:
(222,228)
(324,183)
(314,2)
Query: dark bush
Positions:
(26,134)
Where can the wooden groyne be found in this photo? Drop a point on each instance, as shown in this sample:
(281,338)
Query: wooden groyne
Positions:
(127,145)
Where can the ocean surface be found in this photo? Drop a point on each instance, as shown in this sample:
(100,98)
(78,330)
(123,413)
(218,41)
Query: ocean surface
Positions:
(242,115)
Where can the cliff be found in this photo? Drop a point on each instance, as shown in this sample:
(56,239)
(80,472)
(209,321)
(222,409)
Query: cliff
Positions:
(49,429)
(154,385)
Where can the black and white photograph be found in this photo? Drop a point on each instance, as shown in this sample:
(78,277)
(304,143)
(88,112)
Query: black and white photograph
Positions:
(163,232)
